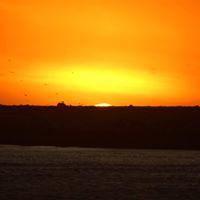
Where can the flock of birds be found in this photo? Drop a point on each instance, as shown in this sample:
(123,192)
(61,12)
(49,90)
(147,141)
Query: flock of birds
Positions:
(21,80)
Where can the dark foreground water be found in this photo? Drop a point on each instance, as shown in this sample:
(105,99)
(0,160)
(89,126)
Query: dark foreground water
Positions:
(76,173)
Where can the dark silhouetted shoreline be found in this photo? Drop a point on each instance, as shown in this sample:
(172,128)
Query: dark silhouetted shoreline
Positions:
(113,127)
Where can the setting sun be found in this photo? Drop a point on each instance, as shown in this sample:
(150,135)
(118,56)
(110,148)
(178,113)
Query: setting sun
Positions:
(103,105)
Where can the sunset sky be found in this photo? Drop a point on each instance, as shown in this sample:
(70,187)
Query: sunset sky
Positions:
(86,52)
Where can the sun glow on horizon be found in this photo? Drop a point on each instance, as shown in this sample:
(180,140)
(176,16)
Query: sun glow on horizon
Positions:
(103,105)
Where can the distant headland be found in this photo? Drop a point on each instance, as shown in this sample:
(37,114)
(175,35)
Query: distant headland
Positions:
(104,127)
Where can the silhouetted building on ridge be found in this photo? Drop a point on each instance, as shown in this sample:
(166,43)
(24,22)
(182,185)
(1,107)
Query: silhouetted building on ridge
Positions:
(61,105)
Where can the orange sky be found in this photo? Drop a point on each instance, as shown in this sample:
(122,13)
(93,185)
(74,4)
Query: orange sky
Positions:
(86,52)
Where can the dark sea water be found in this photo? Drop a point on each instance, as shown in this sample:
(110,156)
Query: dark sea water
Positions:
(79,173)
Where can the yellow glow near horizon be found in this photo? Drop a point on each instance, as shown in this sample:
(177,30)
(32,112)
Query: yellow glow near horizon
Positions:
(85,84)
(101,79)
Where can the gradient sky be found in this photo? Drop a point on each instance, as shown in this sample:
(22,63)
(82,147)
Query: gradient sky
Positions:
(86,52)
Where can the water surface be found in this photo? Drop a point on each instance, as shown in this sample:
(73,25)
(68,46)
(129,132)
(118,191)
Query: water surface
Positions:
(55,173)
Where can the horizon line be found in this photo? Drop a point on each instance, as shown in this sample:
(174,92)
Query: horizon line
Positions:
(112,106)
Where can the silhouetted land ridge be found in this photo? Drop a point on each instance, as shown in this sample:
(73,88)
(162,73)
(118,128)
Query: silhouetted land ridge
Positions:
(114,127)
